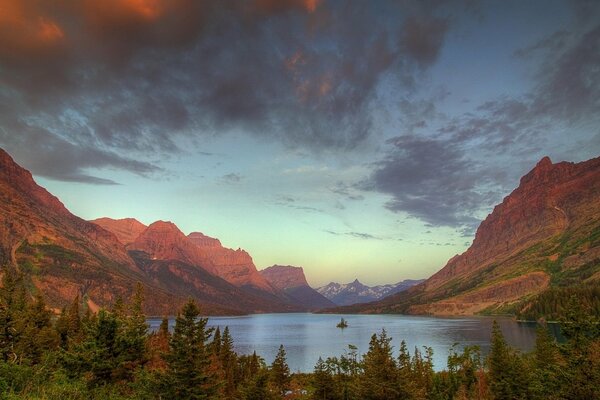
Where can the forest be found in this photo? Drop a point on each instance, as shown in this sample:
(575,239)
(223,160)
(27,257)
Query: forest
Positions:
(112,355)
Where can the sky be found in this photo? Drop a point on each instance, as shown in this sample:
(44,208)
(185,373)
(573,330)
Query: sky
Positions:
(355,139)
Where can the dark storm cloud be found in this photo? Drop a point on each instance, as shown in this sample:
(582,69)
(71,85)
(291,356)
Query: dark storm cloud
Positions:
(133,76)
(448,176)
(429,179)
(422,38)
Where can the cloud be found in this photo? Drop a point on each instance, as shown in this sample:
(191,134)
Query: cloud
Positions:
(422,38)
(132,78)
(451,171)
(232,178)
(429,179)
(357,235)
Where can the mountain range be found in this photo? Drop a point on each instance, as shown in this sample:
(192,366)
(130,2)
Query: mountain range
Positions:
(545,234)
(356,292)
(64,256)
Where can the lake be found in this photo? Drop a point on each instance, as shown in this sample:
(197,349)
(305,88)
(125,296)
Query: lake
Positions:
(306,337)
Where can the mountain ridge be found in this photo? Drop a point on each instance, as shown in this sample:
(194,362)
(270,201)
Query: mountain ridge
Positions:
(356,292)
(545,233)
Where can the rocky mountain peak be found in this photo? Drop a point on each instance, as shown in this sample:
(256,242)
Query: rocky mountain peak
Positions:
(127,230)
(285,276)
(202,240)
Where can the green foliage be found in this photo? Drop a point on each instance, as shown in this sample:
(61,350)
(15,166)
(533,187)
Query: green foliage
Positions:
(379,370)
(507,372)
(553,304)
(187,374)
(279,375)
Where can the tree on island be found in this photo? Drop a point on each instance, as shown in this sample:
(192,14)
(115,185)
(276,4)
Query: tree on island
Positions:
(342,324)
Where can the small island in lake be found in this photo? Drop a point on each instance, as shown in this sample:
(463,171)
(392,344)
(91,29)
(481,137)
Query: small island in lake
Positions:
(342,324)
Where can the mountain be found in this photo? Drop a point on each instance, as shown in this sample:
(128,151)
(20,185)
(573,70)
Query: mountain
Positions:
(61,256)
(235,266)
(545,234)
(292,282)
(126,230)
(163,241)
(356,292)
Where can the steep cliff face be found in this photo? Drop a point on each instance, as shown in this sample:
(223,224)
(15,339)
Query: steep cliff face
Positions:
(292,281)
(285,277)
(547,231)
(235,266)
(127,230)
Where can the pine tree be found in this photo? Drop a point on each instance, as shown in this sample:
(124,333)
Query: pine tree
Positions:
(582,330)
(546,366)
(508,378)
(12,307)
(132,337)
(228,360)
(215,346)
(257,388)
(36,335)
(323,383)
(186,376)
(280,372)
(378,381)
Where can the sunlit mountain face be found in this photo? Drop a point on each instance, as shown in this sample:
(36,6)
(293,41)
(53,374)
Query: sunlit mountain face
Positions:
(358,140)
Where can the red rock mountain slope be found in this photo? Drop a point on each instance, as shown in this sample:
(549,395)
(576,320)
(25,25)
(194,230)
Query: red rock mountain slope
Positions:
(60,254)
(546,232)
(235,266)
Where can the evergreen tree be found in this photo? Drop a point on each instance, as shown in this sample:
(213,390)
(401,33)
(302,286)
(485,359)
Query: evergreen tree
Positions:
(132,337)
(508,379)
(36,335)
(546,366)
(186,376)
(12,306)
(378,381)
(582,373)
(280,372)
(257,388)
(323,383)
(228,360)
(215,346)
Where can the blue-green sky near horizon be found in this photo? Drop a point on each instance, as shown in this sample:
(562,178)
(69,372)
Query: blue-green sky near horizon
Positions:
(355,139)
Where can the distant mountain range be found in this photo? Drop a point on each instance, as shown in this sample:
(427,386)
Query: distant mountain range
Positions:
(545,234)
(355,292)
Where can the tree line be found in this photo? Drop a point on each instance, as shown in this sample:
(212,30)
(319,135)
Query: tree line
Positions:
(112,355)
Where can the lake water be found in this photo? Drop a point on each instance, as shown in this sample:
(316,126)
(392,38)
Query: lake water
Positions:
(306,337)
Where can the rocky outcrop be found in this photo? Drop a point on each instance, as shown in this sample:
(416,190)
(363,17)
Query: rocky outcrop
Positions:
(546,229)
(285,277)
(235,266)
(127,230)
(292,282)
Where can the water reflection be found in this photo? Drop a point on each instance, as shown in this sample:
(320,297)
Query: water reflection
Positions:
(307,337)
